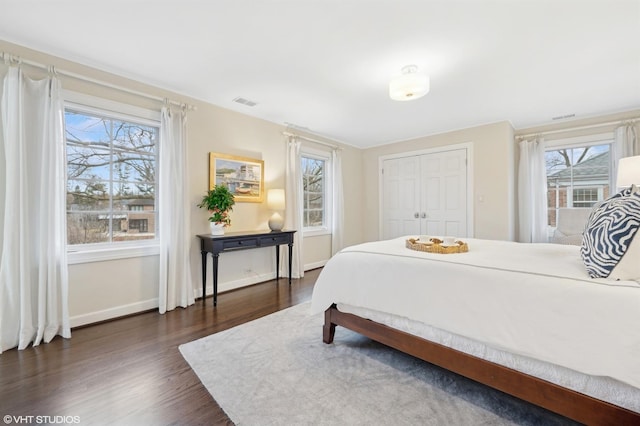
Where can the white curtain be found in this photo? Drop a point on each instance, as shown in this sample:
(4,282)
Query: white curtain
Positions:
(337,203)
(625,145)
(293,209)
(176,288)
(532,192)
(33,261)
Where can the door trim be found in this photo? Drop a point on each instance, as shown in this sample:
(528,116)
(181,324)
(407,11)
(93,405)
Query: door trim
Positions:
(470,192)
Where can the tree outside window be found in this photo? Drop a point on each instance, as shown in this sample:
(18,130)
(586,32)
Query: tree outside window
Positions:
(111,175)
(313,183)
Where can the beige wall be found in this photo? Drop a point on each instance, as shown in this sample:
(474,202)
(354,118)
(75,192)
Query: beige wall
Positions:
(581,127)
(102,290)
(574,129)
(107,289)
(493,177)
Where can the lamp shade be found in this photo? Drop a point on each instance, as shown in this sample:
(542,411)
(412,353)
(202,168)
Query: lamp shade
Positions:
(628,172)
(410,85)
(275,199)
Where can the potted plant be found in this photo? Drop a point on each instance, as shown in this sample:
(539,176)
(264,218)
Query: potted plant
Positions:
(219,201)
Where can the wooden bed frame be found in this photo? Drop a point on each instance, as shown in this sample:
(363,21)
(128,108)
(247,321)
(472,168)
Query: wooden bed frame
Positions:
(569,403)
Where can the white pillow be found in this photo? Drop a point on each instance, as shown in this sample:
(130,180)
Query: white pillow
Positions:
(628,268)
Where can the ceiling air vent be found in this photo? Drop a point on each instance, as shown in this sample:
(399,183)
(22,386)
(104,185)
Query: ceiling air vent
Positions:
(244,101)
(562,117)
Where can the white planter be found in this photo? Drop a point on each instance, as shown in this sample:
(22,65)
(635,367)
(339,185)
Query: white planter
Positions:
(216,228)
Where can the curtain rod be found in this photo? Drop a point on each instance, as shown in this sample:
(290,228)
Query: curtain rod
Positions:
(570,129)
(20,60)
(330,145)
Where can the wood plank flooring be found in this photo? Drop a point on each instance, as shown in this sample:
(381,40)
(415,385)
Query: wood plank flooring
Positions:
(129,371)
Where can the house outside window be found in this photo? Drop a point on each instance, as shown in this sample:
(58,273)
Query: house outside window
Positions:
(111,176)
(578,176)
(316,184)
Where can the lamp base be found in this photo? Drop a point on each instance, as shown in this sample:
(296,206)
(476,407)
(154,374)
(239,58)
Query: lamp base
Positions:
(276,222)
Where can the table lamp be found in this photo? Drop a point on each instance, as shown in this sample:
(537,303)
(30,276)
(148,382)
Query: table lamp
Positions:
(628,172)
(275,201)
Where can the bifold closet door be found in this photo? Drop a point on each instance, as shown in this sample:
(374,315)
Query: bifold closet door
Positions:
(401,197)
(425,194)
(443,194)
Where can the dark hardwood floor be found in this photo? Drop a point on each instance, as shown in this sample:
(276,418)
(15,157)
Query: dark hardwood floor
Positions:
(129,371)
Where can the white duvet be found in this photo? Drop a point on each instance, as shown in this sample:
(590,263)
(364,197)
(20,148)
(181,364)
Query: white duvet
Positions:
(534,300)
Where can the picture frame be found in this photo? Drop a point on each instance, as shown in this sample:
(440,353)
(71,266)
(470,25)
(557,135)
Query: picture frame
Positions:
(243,176)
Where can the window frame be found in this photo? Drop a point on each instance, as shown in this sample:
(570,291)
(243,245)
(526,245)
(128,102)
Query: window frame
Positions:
(325,229)
(97,252)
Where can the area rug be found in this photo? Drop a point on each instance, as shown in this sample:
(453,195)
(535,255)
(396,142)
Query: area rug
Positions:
(276,371)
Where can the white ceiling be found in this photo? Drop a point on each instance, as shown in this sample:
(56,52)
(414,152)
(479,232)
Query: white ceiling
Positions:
(324,65)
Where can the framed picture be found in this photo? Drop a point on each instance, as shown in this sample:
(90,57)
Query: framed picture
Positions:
(243,176)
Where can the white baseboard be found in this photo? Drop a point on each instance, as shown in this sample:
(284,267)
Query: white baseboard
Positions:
(242,282)
(145,305)
(315,265)
(254,279)
(118,311)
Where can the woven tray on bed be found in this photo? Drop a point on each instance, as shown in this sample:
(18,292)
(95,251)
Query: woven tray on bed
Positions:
(435,246)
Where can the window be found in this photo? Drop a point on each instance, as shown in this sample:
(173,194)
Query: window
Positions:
(577,176)
(111,176)
(585,197)
(315,186)
(140,225)
(313,171)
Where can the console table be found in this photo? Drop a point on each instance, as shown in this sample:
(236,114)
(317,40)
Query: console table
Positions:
(232,241)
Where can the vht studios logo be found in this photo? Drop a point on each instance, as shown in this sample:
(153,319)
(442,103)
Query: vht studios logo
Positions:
(39,420)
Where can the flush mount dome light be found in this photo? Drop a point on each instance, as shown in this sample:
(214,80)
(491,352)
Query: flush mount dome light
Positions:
(410,85)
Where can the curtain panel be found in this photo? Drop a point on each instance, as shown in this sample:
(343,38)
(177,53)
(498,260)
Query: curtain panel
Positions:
(175,287)
(293,208)
(337,214)
(626,144)
(33,261)
(532,192)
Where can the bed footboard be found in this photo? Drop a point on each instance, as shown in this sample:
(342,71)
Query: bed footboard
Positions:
(569,403)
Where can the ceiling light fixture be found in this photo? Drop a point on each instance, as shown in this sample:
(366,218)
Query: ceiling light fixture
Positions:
(410,85)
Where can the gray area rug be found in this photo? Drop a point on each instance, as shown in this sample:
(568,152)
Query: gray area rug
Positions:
(276,371)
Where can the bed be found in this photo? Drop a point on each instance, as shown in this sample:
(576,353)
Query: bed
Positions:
(523,318)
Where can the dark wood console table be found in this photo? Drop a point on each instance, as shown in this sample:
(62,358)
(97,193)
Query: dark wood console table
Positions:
(231,241)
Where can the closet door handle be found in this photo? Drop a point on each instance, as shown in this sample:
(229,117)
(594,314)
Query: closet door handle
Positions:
(423,215)
(416,215)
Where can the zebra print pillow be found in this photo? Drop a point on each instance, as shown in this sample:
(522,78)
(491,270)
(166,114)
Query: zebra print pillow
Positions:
(609,235)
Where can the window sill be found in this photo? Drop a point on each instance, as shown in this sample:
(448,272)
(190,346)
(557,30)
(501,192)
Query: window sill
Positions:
(112,253)
(316,232)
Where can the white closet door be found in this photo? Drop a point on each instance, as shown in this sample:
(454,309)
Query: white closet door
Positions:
(401,197)
(444,193)
(425,194)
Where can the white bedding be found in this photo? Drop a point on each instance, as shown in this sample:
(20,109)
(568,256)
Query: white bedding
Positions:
(534,300)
